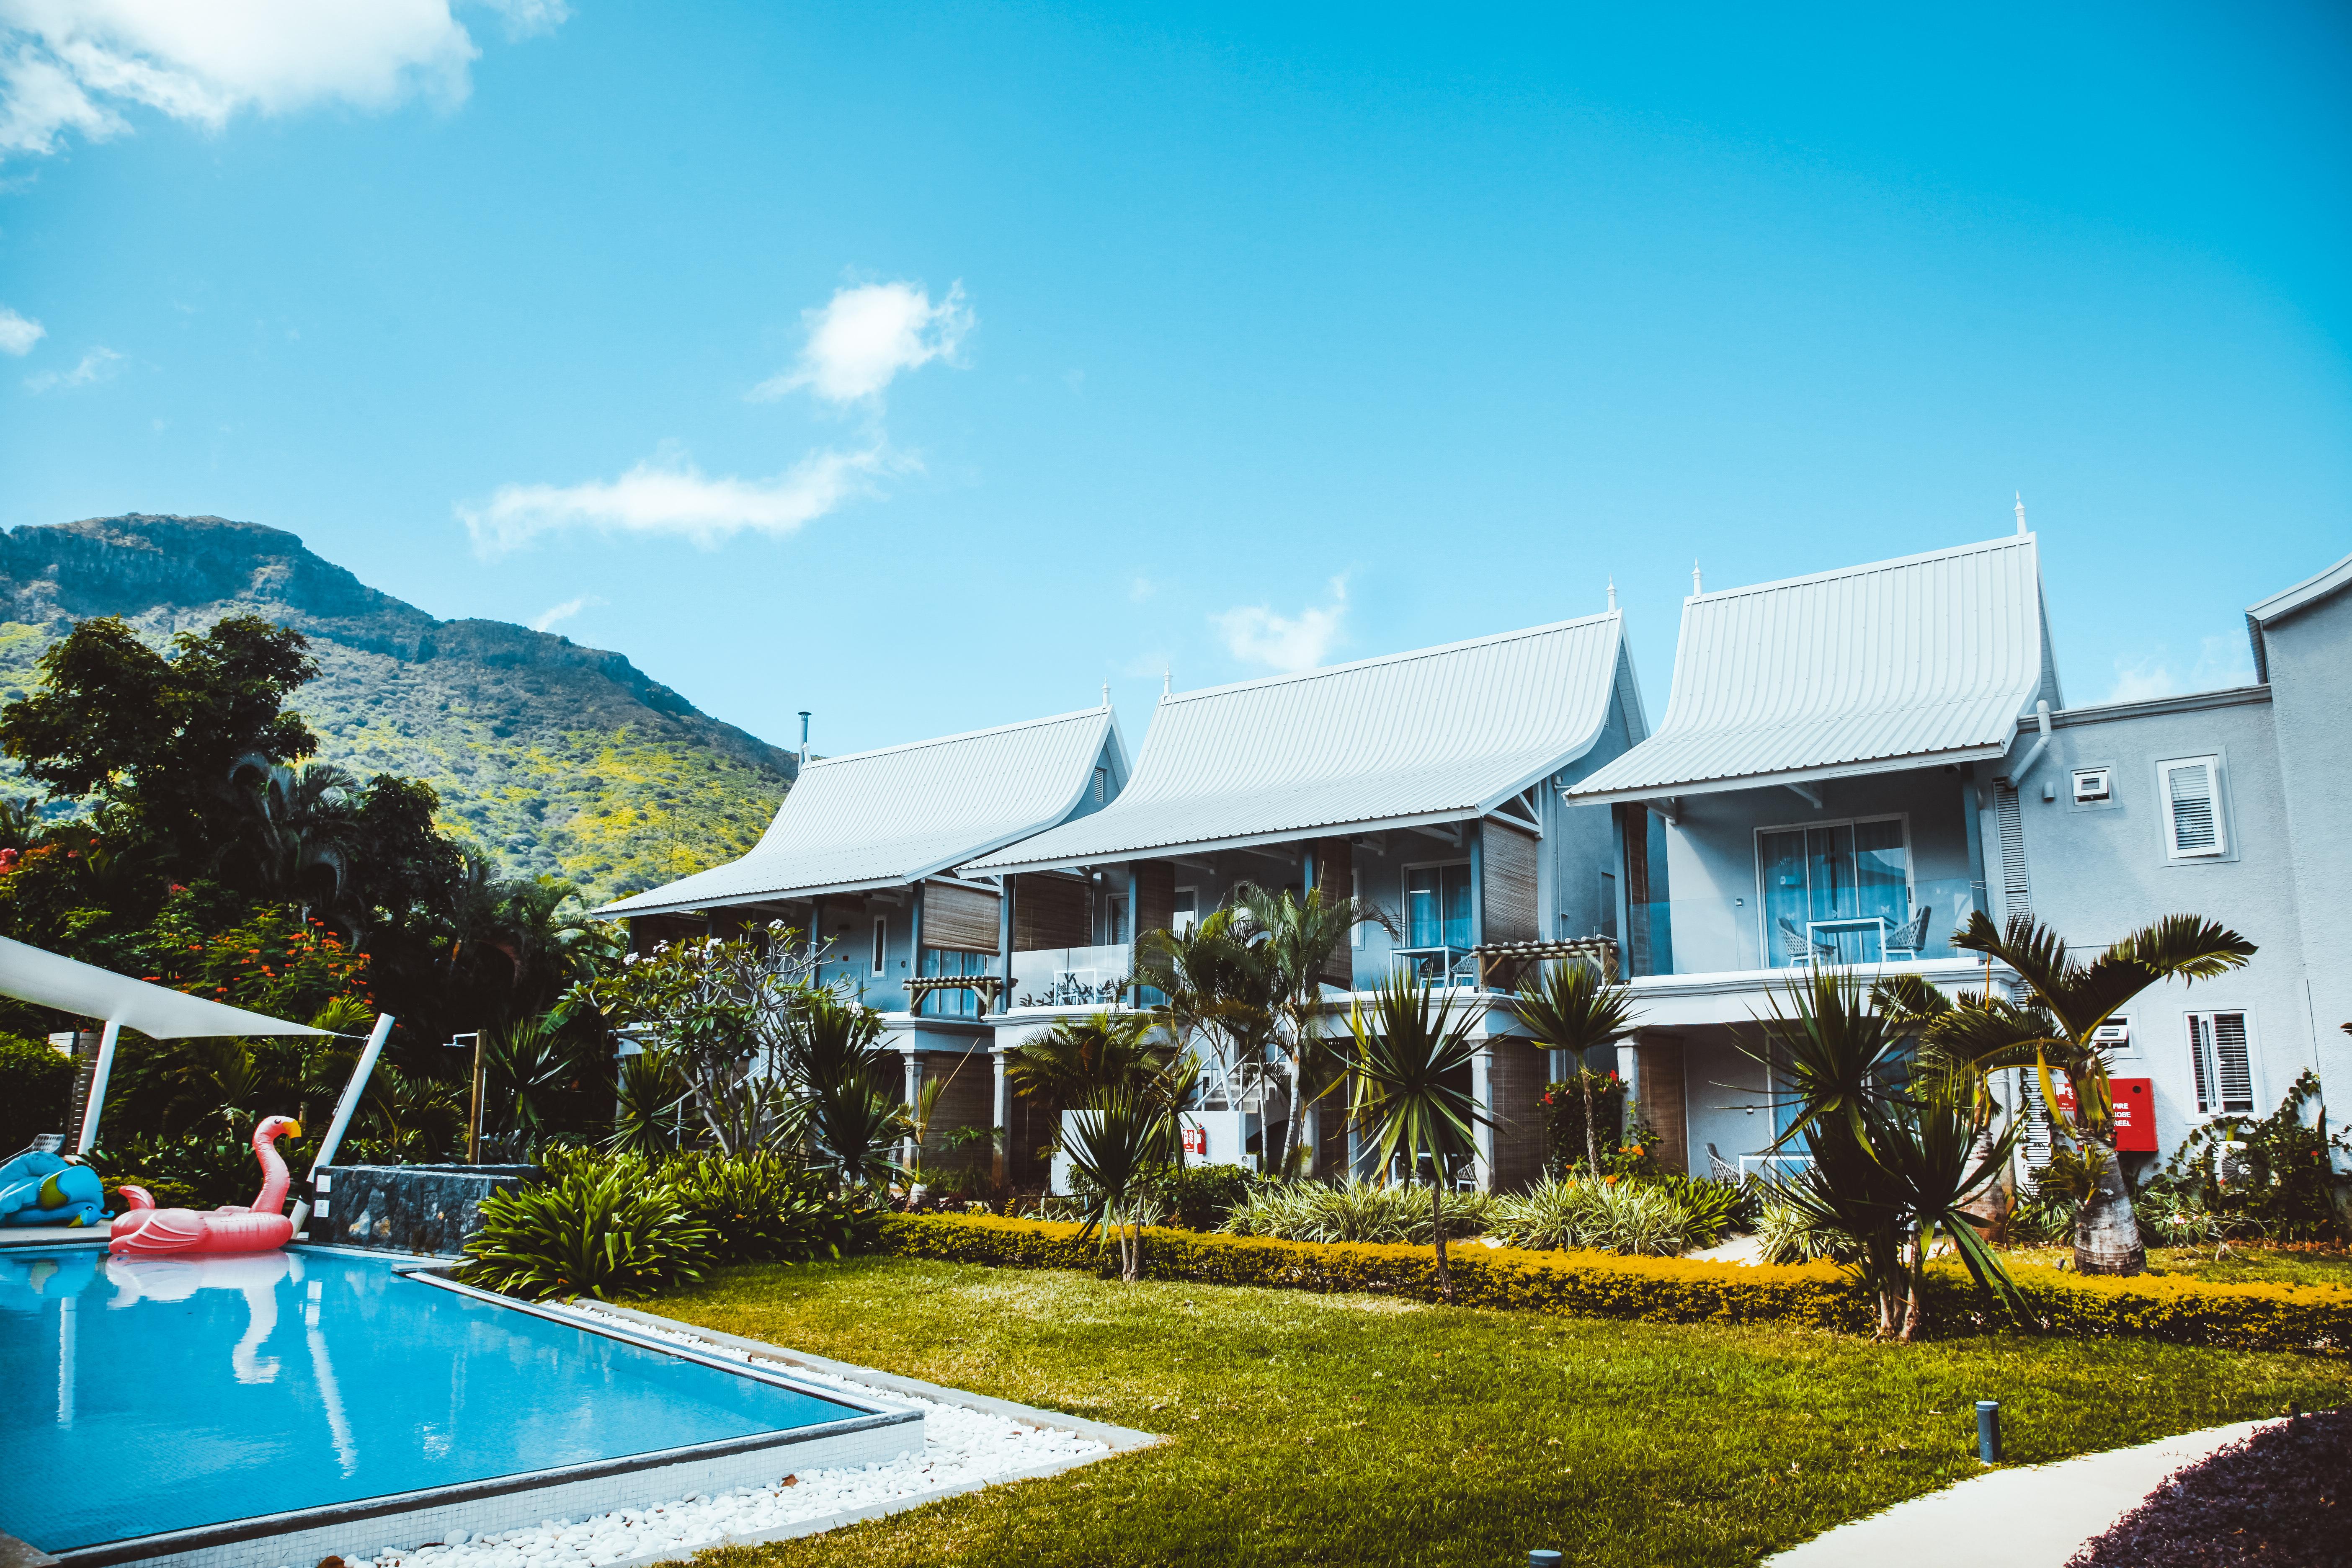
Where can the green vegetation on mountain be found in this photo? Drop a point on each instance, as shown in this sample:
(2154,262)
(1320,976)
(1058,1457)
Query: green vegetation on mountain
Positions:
(552,758)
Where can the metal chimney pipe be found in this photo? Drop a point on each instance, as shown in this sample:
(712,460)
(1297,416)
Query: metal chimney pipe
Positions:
(804,718)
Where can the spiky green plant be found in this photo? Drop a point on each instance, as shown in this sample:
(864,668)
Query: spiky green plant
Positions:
(1404,1061)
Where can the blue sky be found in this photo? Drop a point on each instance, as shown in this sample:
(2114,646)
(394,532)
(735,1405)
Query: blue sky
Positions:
(931,366)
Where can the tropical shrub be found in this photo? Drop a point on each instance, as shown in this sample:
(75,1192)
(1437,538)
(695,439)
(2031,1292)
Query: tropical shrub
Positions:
(1355,1211)
(1788,1235)
(597,1229)
(1566,1141)
(1659,1218)
(1199,1197)
(763,1209)
(2278,1184)
(204,1169)
(35,1092)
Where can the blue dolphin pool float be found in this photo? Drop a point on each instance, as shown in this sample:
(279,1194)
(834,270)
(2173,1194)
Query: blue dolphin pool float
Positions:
(37,1188)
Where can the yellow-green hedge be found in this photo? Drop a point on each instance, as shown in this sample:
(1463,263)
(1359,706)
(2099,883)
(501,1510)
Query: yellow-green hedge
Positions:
(1656,1289)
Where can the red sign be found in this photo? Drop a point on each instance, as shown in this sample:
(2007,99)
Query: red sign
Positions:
(1196,1140)
(2134,1114)
(2134,1101)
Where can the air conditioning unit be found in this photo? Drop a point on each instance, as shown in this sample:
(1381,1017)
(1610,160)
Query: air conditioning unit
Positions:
(2114,1034)
(2092,785)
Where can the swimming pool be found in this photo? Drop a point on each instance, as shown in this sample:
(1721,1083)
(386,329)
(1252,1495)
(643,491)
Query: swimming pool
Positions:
(172,1397)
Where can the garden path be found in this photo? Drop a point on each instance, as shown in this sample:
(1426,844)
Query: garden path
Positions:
(2034,1516)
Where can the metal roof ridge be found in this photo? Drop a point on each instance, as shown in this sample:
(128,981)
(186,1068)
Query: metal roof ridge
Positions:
(1868,568)
(1075,713)
(2311,590)
(1319,671)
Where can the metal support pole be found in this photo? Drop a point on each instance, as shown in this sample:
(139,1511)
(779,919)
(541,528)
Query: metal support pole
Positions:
(473,1114)
(1989,1431)
(344,1107)
(98,1076)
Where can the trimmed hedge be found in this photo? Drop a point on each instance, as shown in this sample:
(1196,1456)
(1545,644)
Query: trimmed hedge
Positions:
(1658,1290)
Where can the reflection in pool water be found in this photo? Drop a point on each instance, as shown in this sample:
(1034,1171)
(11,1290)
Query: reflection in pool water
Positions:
(191,1391)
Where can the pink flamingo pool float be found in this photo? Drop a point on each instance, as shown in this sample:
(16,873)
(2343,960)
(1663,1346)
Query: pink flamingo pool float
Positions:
(146,1231)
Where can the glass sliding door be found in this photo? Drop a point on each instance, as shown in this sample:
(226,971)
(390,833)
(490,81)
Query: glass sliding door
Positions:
(1833,890)
(1437,906)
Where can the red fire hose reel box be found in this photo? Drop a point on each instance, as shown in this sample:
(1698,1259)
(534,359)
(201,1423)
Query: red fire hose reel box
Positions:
(2134,1114)
(2134,1101)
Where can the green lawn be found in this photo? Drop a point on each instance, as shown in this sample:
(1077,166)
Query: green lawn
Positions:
(1359,1430)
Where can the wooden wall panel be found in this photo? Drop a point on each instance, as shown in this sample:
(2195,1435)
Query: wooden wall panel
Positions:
(1155,896)
(1509,869)
(1050,911)
(1335,874)
(967,1100)
(964,919)
(1514,1079)
(1661,1098)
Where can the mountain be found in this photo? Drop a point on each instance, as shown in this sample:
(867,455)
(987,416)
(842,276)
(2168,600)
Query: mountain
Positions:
(554,758)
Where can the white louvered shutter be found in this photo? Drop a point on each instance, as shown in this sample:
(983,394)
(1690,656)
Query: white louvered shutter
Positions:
(2016,893)
(2223,1064)
(2192,803)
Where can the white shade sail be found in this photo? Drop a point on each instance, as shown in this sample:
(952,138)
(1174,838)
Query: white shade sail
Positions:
(52,980)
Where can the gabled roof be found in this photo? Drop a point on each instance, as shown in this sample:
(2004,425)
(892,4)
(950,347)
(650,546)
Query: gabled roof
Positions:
(1428,736)
(2279,607)
(887,818)
(1930,659)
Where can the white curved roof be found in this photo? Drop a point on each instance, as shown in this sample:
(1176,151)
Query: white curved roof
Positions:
(1929,658)
(1430,735)
(52,980)
(885,818)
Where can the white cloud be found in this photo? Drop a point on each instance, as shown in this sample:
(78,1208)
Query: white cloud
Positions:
(2221,661)
(1255,635)
(546,619)
(668,494)
(96,365)
(863,336)
(73,66)
(18,335)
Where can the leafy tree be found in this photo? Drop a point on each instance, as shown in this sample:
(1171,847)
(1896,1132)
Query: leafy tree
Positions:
(1404,1061)
(158,739)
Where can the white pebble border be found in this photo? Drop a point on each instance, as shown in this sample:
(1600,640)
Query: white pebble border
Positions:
(961,1448)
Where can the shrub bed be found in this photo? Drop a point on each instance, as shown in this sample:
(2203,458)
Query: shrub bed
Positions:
(1656,1289)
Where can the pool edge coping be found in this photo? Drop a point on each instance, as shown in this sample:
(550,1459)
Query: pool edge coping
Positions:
(1120,1439)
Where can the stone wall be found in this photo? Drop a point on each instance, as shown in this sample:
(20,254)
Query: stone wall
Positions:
(406,1208)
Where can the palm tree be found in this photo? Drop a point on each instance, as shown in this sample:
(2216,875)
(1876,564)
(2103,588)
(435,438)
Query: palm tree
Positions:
(298,825)
(1077,1057)
(1296,938)
(524,1065)
(1575,1006)
(1405,1061)
(2052,1033)
(1119,1143)
(1888,1168)
(1216,983)
(848,1091)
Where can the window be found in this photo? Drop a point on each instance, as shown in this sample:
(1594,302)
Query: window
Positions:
(1186,911)
(943,961)
(1841,872)
(2092,785)
(1356,893)
(881,943)
(2224,1067)
(1437,905)
(2193,828)
(1115,921)
(1102,786)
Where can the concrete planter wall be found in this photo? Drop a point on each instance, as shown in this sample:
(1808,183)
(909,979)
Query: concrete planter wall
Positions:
(406,1208)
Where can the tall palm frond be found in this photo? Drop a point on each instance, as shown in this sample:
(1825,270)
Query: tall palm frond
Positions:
(1404,1062)
(1576,1007)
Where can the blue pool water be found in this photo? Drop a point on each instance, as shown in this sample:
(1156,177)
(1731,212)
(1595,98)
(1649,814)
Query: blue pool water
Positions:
(139,1395)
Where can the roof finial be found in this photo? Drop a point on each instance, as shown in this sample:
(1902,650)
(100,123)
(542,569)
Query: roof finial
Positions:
(1105,693)
(1613,591)
(1167,680)
(1696,588)
(2021,511)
